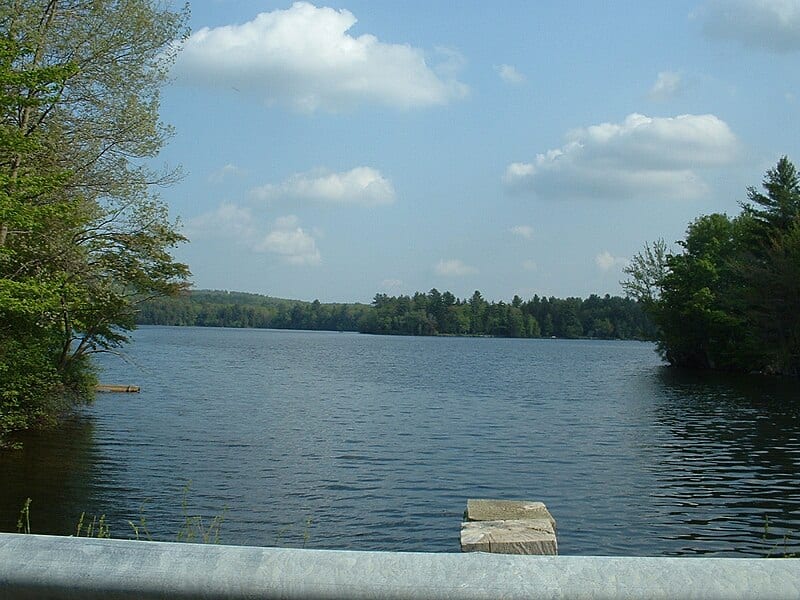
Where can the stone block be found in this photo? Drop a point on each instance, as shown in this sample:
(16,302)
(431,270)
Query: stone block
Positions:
(506,510)
(508,527)
(516,536)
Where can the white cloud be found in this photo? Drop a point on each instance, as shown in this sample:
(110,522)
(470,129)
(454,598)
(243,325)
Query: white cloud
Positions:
(640,157)
(605,261)
(772,25)
(667,85)
(304,58)
(509,74)
(523,231)
(529,265)
(453,268)
(229,170)
(364,186)
(237,224)
(450,63)
(290,241)
(227,221)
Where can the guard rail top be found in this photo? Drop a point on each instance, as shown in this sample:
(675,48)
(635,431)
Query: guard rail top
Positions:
(38,566)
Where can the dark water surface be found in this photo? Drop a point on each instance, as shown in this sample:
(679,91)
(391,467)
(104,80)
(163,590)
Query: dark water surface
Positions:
(379,441)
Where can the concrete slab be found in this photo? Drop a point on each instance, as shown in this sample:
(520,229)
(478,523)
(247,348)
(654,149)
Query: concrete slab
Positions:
(518,536)
(506,510)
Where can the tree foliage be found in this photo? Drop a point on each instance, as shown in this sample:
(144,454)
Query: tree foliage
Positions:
(82,236)
(729,299)
(646,270)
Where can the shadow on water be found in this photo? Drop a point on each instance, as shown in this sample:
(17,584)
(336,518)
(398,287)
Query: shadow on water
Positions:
(56,469)
(729,461)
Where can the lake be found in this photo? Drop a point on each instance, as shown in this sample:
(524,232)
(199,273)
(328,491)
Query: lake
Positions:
(339,440)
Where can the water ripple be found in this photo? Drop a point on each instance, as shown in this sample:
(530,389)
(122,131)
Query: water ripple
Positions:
(365,442)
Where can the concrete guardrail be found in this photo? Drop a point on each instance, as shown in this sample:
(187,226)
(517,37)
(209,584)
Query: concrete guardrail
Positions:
(41,567)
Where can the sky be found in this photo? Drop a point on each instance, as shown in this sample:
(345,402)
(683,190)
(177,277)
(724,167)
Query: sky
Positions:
(341,149)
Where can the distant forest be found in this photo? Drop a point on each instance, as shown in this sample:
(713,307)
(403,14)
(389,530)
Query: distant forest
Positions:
(432,313)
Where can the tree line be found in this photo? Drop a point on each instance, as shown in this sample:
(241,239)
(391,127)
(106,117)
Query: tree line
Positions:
(211,308)
(435,313)
(431,313)
(729,297)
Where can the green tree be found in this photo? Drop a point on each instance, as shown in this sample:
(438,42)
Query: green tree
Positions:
(773,295)
(730,298)
(515,322)
(770,266)
(702,326)
(780,205)
(533,327)
(82,237)
(477,312)
(32,390)
(646,272)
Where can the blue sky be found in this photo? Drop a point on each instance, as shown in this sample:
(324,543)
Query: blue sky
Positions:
(337,150)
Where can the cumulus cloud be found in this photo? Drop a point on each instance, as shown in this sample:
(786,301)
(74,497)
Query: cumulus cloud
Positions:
(290,241)
(667,85)
(453,268)
(509,74)
(772,25)
(523,231)
(237,224)
(227,221)
(303,57)
(640,157)
(364,186)
(606,261)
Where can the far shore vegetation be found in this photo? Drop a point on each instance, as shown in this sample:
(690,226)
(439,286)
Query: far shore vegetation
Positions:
(425,314)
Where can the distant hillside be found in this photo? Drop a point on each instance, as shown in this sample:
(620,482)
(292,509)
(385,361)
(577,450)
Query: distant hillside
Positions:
(219,308)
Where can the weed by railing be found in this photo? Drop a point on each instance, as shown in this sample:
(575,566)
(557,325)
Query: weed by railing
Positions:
(287,528)
(194,528)
(786,553)
(97,527)
(24,520)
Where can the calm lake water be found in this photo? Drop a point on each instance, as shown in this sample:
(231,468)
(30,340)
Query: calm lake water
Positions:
(368,442)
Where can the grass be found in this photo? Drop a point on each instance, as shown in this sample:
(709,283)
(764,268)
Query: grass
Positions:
(193,528)
(97,527)
(771,551)
(24,520)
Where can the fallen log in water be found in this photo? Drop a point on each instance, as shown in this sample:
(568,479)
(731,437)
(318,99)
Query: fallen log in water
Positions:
(117,388)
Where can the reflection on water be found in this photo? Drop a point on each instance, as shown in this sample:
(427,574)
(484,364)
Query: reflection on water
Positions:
(729,460)
(379,441)
(56,470)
